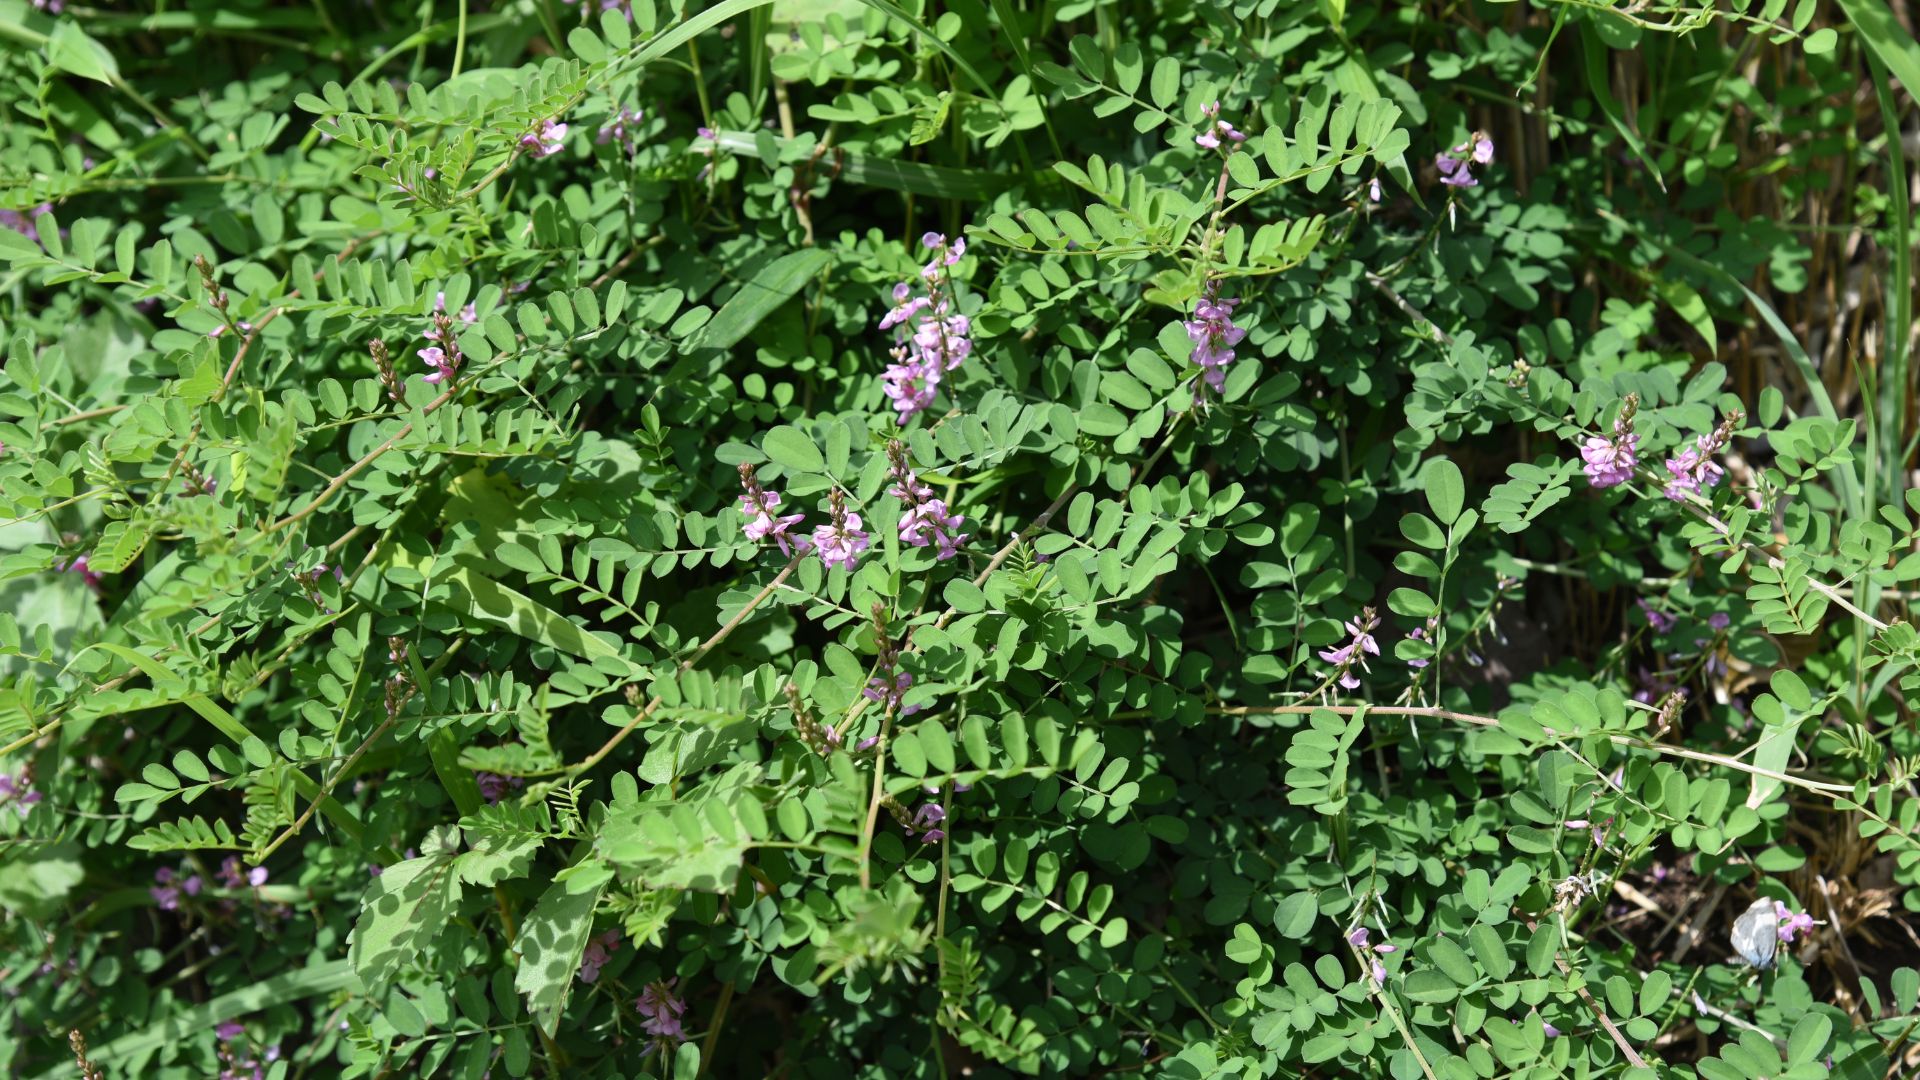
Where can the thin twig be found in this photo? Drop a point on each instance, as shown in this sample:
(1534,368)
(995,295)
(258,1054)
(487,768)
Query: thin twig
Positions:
(706,647)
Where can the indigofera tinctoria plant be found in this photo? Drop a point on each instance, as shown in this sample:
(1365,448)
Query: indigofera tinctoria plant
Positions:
(618,539)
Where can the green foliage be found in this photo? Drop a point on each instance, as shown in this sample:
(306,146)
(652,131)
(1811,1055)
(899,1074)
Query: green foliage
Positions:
(1312,710)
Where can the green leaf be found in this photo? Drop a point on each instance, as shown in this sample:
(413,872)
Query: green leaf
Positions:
(1446,490)
(1295,915)
(1890,44)
(551,942)
(1452,960)
(488,602)
(1809,1038)
(760,296)
(405,909)
(1430,987)
(793,450)
(71,50)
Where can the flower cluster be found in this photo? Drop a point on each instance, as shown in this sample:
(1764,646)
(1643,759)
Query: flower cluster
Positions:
(197,481)
(1217,129)
(443,356)
(597,954)
(927,520)
(622,128)
(891,684)
(1214,335)
(230,875)
(173,885)
(1610,461)
(821,738)
(1358,939)
(1456,165)
(309,582)
(494,786)
(546,140)
(930,338)
(759,504)
(1693,470)
(237,1066)
(927,820)
(841,540)
(21,221)
(1426,632)
(18,792)
(78,565)
(1791,923)
(1355,652)
(660,1012)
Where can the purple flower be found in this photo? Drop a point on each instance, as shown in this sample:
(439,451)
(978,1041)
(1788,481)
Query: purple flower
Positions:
(1422,633)
(547,140)
(436,358)
(1693,470)
(927,520)
(78,565)
(1214,335)
(909,385)
(598,952)
(229,1030)
(1379,973)
(932,338)
(621,129)
(1355,651)
(1659,620)
(906,306)
(758,505)
(494,787)
(1217,129)
(1609,462)
(1373,189)
(51,7)
(230,875)
(841,540)
(1456,165)
(467,314)
(1358,939)
(1790,923)
(660,1011)
(867,743)
(704,132)
(22,221)
(19,792)
(926,819)
(1551,1031)
(881,690)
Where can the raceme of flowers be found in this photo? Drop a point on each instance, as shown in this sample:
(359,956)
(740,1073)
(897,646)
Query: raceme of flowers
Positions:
(1355,652)
(931,338)
(1610,461)
(927,521)
(1217,130)
(1214,335)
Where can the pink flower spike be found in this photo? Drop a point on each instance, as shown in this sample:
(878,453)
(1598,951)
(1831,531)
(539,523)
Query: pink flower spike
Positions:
(436,358)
